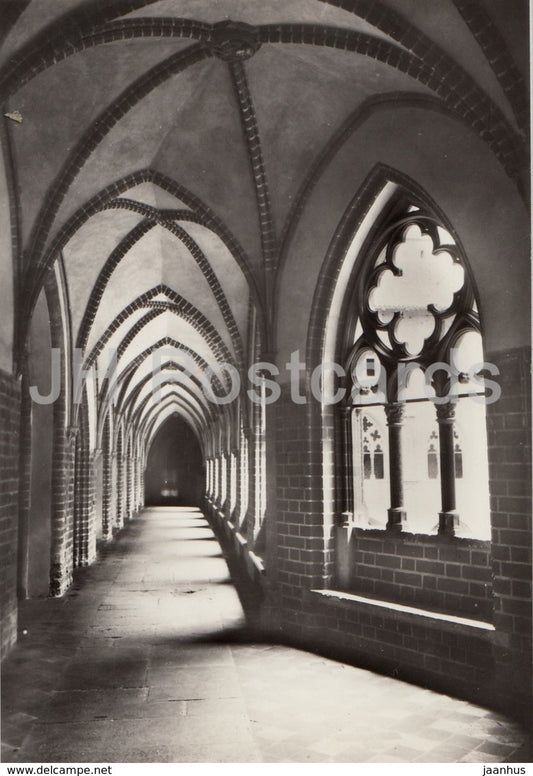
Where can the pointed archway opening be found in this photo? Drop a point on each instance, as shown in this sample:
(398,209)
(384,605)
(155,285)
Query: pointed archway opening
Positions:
(174,471)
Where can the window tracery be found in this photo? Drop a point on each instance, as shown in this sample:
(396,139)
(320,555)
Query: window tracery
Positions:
(416,356)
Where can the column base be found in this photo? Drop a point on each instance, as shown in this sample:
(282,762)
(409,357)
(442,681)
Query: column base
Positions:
(447,523)
(396,519)
(344,519)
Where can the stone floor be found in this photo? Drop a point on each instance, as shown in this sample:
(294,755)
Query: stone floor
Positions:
(148,659)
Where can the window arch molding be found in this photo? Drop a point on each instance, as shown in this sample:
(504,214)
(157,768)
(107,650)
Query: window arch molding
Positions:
(324,343)
(337,302)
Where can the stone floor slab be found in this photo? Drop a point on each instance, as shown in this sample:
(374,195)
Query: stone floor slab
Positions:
(148,659)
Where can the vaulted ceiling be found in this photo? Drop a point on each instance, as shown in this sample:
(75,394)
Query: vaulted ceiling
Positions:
(163,149)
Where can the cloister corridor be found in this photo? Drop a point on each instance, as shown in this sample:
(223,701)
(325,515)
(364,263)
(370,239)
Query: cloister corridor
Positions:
(149,659)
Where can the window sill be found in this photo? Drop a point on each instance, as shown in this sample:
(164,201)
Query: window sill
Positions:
(407,535)
(335,597)
(257,562)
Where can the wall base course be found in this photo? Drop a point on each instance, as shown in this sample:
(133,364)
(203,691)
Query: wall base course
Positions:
(9,504)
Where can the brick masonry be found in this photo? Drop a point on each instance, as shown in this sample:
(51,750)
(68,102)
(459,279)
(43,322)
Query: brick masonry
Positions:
(444,574)
(253,140)
(509,431)
(499,57)
(9,451)
(490,582)
(63,469)
(304,538)
(446,656)
(485,581)
(107,484)
(84,504)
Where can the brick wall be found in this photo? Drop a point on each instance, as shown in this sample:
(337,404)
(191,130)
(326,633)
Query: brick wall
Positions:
(128,477)
(486,655)
(62,505)
(98,495)
(107,485)
(447,656)
(445,574)
(9,443)
(84,504)
(486,582)
(140,491)
(24,483)
(64,449)
(303,537)
(509,429)
(119,479)
(252,523)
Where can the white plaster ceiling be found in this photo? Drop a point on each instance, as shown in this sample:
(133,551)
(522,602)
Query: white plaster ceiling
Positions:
(87,252)
(152,387)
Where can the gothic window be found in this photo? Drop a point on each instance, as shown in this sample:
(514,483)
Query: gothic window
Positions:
(433,458)
(367,461)
(372,452)
(415,360)
(458,458)
(378,463)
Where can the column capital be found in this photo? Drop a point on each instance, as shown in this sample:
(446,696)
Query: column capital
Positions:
(395,413)
(344,519)
(446,412)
